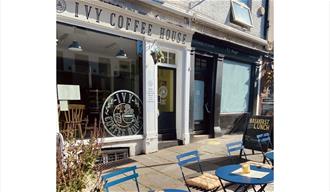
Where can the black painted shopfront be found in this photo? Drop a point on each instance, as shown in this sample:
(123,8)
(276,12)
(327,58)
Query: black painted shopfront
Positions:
(223,87)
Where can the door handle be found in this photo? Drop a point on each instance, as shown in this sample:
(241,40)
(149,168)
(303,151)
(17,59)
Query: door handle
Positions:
(206,108)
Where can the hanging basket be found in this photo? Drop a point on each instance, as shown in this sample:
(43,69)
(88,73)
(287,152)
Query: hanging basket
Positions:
(157,55)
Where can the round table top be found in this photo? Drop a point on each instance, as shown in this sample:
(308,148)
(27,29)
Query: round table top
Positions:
(270,155)
(225,173)
(174,190)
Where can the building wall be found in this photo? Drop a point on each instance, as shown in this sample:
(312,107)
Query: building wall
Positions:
(219,11)
(270,32)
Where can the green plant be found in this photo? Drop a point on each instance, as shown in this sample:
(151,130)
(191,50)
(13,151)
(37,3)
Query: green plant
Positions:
(76,161)
(267,77)
(157,55)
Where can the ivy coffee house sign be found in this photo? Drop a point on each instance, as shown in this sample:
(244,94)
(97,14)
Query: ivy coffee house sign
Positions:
(117,19)
(122,114)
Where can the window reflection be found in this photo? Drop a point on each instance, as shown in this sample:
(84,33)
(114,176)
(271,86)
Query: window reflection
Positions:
(241,14)
(96,69)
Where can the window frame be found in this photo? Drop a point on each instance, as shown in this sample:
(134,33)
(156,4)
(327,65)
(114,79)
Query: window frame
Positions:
(248,3)
(167,64)
(236,20)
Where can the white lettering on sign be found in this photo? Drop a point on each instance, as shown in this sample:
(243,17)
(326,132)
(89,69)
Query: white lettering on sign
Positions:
(91,13)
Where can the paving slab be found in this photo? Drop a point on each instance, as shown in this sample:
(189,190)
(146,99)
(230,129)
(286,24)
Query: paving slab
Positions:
(156,180)
(159,170)
(165,154)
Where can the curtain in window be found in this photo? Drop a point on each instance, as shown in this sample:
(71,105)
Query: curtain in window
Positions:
(235,87)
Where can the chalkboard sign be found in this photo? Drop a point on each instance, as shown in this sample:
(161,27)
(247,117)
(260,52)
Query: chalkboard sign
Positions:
(257,125)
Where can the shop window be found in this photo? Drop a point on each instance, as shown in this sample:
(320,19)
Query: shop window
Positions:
(235,87)
(240,13)
(99,72)
(169,58)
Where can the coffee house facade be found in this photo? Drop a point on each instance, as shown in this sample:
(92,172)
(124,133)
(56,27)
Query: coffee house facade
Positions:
(106,62)
(148,71)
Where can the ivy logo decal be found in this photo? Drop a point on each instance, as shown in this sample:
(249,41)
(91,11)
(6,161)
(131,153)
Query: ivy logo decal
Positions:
(60,6)
(122,114)
(162,92)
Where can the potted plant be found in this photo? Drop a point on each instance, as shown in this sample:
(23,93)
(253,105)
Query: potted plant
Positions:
(157,55)
(76,168)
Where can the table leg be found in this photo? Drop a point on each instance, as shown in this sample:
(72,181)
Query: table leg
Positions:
(246,188)
(262,188)
(240,186)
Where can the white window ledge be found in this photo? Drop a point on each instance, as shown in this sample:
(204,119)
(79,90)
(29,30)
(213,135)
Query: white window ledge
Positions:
(123,138)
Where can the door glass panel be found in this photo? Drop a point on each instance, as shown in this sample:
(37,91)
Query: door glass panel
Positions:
(199,100)
(165,90)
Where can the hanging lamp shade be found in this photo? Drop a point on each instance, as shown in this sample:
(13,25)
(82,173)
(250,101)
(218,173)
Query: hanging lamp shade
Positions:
(121,54)
(75,46)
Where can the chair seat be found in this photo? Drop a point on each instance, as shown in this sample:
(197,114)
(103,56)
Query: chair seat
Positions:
(206,181)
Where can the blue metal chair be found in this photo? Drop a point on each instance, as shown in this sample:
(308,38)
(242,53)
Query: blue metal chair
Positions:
(264,144)
(126,177)
(193,157)
(235,147)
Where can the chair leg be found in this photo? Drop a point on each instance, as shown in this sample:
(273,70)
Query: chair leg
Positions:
(137,185)
(216,189)
(188,188)
(223,187)
(264,161)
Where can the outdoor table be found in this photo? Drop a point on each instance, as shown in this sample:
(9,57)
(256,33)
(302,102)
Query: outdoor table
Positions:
(226,174)
(270,156)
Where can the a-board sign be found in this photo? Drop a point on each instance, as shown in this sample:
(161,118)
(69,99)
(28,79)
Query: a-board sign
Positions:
(257,125)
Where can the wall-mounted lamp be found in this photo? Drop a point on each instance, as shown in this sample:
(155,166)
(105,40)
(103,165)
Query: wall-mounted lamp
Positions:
(121,54)
(75,46)
(261,11)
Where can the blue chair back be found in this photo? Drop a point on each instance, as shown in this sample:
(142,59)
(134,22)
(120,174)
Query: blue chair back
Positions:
(188,158)
(236,146)
(106,177)
(264,140)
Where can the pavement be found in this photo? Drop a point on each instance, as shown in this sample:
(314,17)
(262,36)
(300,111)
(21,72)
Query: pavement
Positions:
(159,170)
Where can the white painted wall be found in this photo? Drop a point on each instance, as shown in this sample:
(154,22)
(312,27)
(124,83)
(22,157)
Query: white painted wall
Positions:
(219,11)
(150,123)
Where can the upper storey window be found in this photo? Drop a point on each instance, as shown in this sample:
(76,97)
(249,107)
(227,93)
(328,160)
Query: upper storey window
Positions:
(246,2)
(241,14)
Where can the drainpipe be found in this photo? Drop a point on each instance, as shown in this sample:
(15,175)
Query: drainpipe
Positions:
(266,20)
(258,107)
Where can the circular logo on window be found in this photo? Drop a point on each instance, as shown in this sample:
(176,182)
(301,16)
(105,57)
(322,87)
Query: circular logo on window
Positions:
(162,91)
(122,114)
(60,6)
